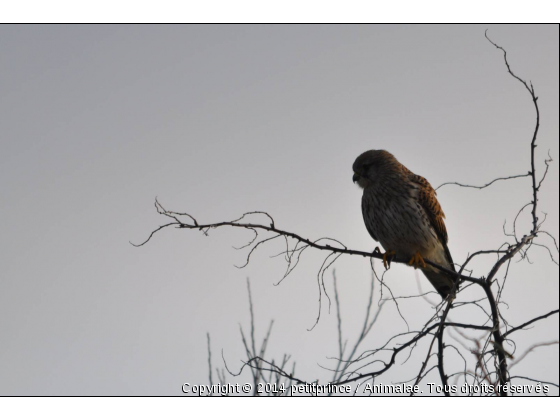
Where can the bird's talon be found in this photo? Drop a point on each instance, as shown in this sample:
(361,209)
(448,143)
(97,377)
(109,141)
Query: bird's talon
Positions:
(417,261)
(387,259)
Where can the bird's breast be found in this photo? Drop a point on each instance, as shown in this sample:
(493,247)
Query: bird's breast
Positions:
(396,218)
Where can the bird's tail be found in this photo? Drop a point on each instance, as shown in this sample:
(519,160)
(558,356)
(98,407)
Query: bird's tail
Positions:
(441,281)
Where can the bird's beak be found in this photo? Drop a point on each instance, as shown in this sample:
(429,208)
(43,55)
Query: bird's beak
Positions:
(355,178)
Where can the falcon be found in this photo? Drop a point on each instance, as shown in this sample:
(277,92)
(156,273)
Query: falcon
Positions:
(401,212)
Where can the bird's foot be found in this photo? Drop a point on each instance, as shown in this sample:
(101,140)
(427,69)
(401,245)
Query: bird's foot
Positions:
(417,261)
(387,257)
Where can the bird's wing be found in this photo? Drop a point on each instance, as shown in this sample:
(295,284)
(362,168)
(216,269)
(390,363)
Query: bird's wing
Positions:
(428,200)
(427,197)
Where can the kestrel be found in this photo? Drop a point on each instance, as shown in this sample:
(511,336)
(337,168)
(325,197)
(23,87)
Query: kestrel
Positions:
(401,211)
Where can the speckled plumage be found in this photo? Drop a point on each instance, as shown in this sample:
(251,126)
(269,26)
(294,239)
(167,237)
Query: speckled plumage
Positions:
(401,211)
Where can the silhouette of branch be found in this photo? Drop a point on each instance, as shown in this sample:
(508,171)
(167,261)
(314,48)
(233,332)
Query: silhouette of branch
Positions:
(341,249)
(534,98)
(209,359)
(520,327)
(530,349)
(439,336)
(485,185)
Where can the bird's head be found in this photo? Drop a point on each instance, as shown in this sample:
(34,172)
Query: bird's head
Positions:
(371,165)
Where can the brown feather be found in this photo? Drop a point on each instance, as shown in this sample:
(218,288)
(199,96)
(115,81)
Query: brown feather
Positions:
(428,199)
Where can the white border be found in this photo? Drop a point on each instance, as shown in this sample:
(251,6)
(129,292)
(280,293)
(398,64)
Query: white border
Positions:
(275,11)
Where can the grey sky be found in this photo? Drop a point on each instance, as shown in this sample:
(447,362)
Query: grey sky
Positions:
(96,121)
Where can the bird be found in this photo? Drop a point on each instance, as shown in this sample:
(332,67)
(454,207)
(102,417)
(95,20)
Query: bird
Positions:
(402,213)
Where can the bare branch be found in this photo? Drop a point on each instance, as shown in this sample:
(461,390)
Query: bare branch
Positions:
(485,185)
(530,349)
(531,91)
(520,327)
(209,360)
(312,244)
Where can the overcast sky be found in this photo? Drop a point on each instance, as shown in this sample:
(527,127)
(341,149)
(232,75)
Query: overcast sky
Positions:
(96,121)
